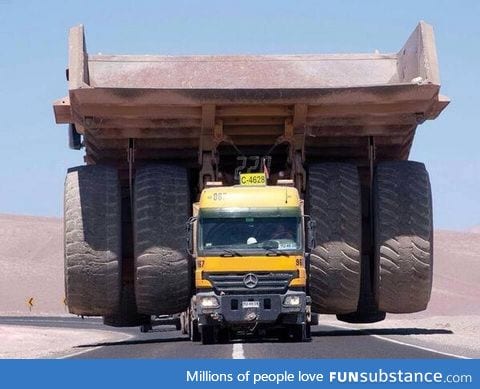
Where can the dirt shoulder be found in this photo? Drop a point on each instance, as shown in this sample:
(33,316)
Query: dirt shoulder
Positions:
(28,342)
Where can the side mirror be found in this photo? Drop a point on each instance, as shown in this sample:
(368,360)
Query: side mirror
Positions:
(190,240)
(311,229)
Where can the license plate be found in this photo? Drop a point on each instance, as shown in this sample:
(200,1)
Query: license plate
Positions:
(253,179)
(250,304)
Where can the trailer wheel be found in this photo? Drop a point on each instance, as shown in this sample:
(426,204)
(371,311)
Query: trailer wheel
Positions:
(92,217)
(298,333)
(334,202)
(208,334)
(161,209)
(178,324)
(184,323)
(403,237)
(146,328)
(194,331)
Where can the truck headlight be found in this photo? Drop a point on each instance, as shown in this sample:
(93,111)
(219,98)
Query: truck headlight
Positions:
(209,302)
(292,301)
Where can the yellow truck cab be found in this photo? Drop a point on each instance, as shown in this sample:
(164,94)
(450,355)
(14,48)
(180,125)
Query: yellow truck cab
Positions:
(250,265)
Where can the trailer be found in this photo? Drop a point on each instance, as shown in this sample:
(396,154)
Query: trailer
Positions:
(157,131)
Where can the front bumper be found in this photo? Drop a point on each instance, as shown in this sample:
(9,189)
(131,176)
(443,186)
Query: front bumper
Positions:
(271,309)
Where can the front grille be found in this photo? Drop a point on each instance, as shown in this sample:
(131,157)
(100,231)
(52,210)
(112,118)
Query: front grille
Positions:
(232,283)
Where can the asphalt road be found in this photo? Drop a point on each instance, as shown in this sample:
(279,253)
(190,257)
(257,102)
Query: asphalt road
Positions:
(166,342)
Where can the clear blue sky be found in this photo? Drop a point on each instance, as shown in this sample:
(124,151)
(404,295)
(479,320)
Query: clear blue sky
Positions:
(33,57)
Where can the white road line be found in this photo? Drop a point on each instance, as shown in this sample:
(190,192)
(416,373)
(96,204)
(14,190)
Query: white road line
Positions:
(402,343)
(75,353)
(237,352)
(43,321)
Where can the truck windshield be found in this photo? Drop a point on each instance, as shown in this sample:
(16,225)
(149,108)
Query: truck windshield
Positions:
(250,235)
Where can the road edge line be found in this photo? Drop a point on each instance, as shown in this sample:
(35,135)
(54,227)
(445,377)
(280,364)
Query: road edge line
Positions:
(402,343)
(76,353)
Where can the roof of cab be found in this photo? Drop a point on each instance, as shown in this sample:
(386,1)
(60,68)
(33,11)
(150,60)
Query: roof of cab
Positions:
(249,197)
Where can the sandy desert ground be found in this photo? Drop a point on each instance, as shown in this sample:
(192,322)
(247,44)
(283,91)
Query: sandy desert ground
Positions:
(31,266)
(20,342)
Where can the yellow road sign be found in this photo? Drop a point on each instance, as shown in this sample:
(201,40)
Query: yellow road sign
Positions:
(30,303)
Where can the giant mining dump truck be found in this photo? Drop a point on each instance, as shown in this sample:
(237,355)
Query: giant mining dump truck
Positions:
(192,164)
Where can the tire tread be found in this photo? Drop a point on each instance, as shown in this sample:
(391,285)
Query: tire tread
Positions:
(161,209)
(334,201)
(403,237)
(92,228)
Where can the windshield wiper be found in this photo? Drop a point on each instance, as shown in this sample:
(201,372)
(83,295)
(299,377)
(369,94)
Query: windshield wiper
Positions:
(273,251)
(230,253)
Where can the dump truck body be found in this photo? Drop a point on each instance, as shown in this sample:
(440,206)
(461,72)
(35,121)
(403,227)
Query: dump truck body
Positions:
(158,131)
(327,105)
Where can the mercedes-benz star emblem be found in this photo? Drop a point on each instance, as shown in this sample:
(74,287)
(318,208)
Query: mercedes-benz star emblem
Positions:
(250,280)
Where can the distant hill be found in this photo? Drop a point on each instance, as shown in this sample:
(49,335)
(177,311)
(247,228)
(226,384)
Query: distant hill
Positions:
(475,229)
(31,265)
(456,273)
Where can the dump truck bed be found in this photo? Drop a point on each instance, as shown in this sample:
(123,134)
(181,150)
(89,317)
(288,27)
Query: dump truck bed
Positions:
(176,106)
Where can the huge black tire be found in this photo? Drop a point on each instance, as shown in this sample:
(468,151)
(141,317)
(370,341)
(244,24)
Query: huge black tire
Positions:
(334,202)
(92,240)
(403,237)
(367,311)
(162,270)
(126,314)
